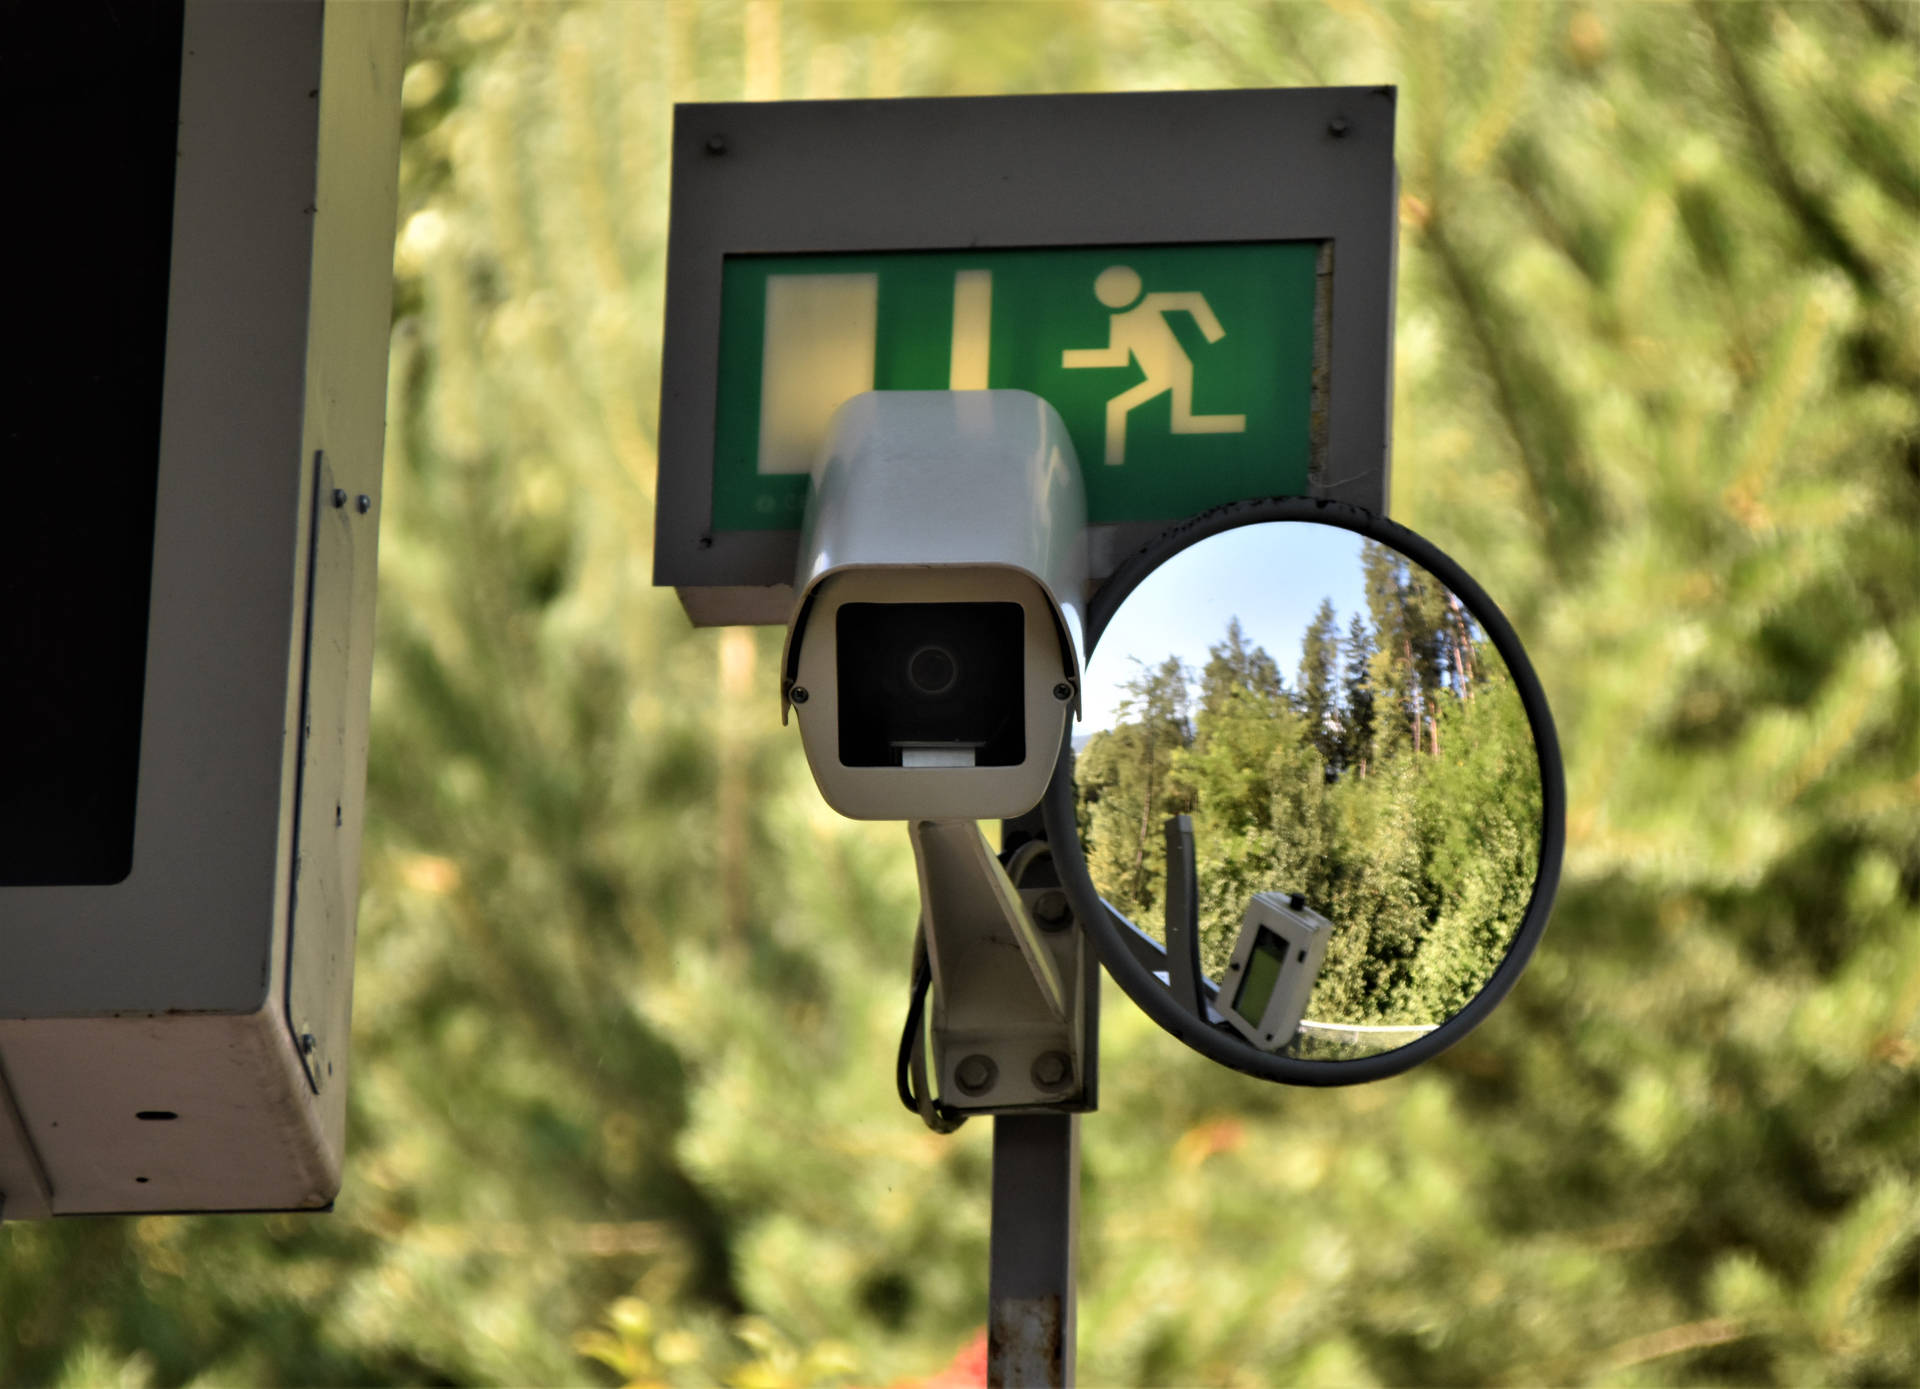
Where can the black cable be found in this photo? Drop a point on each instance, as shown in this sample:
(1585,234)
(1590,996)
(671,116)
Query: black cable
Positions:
(935,1115)
(916,1005)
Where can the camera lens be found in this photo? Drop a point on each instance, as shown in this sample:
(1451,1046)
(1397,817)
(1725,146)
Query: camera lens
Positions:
(932,670)
(940,676)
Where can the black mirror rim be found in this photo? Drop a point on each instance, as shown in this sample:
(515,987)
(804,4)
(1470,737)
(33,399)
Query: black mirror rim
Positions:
(1104,928)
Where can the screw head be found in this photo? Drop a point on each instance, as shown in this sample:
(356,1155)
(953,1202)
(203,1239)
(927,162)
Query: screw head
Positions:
(975,1074)
(1338,126)
(363,503)
(716,144)
(1063,692)
(339,496)
(1052,1070)
(1051,909)
(798,694)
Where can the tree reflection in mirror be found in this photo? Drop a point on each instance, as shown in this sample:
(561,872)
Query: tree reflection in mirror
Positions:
(1338,726)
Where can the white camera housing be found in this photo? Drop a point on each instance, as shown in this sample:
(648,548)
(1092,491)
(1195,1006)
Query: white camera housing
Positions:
(933,656)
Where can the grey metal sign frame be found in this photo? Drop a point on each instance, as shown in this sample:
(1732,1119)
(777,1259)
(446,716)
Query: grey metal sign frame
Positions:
(1125,169)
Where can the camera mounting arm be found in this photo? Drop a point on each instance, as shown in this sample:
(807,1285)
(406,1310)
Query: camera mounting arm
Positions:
(1010,976)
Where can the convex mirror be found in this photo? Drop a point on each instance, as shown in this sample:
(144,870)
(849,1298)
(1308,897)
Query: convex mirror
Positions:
(1313,817)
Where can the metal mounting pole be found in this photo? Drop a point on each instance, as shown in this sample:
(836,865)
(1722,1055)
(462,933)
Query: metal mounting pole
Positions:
(1036,1228)
(1035,1235)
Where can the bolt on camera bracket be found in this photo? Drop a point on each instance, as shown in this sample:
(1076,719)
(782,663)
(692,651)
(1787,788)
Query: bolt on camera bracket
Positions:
(1011,976)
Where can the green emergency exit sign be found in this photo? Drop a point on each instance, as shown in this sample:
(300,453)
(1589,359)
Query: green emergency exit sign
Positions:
(1185,374)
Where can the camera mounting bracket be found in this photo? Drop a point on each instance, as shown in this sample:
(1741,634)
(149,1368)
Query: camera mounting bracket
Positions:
(1011,978)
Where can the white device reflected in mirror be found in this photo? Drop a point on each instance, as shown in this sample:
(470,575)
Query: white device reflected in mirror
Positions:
(1275,964)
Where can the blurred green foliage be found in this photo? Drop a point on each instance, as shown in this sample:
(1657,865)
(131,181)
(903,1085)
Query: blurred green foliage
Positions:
(627,994)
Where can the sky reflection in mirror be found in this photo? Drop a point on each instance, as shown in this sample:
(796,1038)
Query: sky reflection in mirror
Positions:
(1272,580)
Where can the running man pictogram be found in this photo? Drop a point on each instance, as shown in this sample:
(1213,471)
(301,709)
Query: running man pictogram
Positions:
(1141,333)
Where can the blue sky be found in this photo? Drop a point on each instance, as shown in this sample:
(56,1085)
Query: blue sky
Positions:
(1271,576)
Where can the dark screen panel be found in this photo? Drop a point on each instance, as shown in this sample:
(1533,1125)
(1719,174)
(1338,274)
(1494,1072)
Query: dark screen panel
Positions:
(1264,964)
(90,97)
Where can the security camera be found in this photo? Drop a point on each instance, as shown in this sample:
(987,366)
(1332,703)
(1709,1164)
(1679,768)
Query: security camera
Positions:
(933,657)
